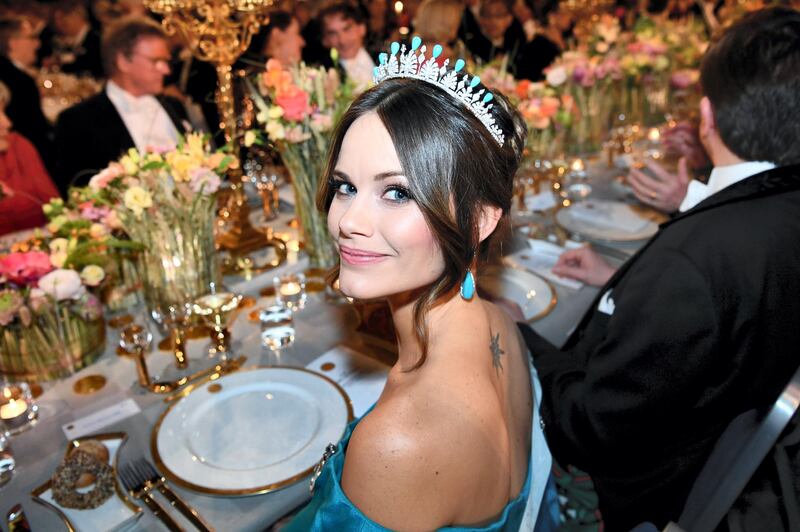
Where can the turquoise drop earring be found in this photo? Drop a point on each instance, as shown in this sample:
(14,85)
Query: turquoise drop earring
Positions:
(468,286)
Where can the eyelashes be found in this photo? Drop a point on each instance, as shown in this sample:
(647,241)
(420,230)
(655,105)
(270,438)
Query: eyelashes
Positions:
(393,193)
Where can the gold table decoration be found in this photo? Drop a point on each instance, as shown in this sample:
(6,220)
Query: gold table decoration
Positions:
(89,384)
(219,31)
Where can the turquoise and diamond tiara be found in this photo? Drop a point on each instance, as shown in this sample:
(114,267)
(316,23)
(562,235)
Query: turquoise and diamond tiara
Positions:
(414,64)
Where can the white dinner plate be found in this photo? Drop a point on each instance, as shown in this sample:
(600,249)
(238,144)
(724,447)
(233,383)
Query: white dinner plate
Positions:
(250,432)
(534,295)
(118,513)
(606,221)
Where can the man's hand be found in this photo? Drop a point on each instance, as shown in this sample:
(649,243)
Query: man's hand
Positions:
(683,140)
(585,265)
(665,192)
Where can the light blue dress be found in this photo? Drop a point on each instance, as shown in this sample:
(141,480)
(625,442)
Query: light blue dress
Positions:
(535,508)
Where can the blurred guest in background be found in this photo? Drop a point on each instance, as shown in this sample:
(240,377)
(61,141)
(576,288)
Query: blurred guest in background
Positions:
(546,45)
(501,33)
(344,28)
(75,45)
(381,25)
(129,112)
(314,53)
(437,22)
(18,45)
(25,184)
(283,40)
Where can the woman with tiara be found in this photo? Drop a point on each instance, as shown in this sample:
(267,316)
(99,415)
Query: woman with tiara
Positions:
(418,180)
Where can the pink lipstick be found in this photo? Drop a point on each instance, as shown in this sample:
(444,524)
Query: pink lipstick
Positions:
(357,257)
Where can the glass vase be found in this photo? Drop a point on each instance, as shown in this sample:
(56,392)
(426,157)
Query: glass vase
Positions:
(179,260)
(306,164)
(56,340)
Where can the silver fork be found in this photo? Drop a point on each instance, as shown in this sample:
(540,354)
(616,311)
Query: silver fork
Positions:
(139,489)
(153,480)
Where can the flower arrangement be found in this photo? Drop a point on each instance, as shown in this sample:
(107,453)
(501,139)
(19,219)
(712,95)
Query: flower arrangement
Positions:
(164,199)
(297,108)
(589,80)
(549,116)
(51,322)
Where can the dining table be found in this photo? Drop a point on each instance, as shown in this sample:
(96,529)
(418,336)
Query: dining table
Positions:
(324,323)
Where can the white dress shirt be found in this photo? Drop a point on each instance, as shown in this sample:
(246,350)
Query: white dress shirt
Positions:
(144,117)
(721,177)
(360,68)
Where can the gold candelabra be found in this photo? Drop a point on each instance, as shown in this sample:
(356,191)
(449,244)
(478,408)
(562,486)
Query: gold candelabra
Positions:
(218,31)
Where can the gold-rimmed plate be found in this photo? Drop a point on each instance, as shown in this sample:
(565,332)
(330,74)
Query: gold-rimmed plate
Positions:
(607,221)
(250,432)
(116,514)
(534,295)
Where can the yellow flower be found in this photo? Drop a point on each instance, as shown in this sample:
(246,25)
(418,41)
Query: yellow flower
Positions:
(181,163)
(131,167)
(249,138)
(153,157)
(137,199)
(195,145)
(93,275)
(56,223)
(275,112)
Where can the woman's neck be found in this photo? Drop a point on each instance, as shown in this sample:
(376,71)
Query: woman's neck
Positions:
(453,310)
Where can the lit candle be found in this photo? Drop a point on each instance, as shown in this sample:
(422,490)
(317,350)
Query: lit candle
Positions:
(398,7)
(654,135)
(578,166)
(13,409)
(290,289)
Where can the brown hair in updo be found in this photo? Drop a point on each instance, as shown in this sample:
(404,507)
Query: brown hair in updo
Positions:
(453,165)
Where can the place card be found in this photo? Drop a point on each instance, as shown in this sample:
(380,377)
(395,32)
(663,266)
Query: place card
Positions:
(361,377)
(102,418)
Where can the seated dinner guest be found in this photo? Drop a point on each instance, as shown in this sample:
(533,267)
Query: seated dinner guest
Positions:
(24,183)
(19,42)
(129,112)
(700,325)
(344,28)
(416,185)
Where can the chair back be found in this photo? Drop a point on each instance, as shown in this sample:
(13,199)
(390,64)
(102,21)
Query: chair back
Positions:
(736,456)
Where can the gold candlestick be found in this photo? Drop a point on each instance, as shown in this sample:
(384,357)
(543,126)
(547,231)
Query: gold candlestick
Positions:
(218,31)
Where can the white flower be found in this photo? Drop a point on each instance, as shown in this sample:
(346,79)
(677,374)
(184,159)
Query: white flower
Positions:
(275,130)
(137,199)
(556,76)
(93,275)
(62,284)
(275,112)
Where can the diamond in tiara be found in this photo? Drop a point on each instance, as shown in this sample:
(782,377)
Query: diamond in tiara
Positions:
(414,64)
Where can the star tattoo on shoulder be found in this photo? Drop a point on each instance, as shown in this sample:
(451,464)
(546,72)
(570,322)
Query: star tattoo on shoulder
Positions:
(496,353)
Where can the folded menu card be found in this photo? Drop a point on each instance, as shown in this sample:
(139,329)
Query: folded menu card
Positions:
(609,215)
(361,376)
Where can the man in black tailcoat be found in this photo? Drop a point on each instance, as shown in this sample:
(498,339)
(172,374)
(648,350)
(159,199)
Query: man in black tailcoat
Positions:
(702,323)
(129,112)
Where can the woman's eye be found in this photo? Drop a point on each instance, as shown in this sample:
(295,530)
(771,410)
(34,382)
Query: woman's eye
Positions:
(397,194)
(344,188)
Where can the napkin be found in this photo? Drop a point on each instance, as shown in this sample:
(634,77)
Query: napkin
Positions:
(542,201)
(608,215)
(361,377)
(541,258)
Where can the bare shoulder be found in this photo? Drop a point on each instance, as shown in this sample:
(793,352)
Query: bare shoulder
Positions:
(403,468)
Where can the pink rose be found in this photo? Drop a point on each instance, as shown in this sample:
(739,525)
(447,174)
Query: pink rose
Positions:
(25,268)
(106,176)
(294,102)
(203,179)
